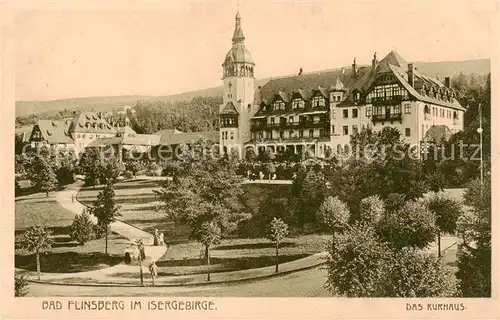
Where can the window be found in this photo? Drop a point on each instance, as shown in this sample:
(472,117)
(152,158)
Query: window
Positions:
(318,102)
(78,135)
(261,134)
(354,113)
(298,103)
(333,113)
(270,134)
(368,111)
(346,130)
(272,120)
(408,132)
(321,132)
(90,136)
(338,98)
(83,136)
(301,133)
(397,109)
(97,136)
(290,133)
(333,129)
(282,134)
(346,113)
(290,119)
(279,105)
(226,134)
(354,129)
(407,108)
(311,133)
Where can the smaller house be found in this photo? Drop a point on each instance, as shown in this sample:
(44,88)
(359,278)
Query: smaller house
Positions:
(54,133)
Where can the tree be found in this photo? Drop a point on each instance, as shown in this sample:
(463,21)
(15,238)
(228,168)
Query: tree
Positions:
(82,228)
(277,232)
(42,175)
(271,169)
(371,209)
(20,285)
(411,226)
(309,191)
(334,214)
(412,273)
(446,210)
(474,263)
(206,191)
(111,169)
(105,209)
(134,167)
(355,262)
(37,240)
(209,235)
(250,154)
(90,165)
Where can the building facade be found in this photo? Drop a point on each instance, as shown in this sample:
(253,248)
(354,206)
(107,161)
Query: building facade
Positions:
(317,112)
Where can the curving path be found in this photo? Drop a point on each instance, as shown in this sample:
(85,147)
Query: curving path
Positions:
(130,232)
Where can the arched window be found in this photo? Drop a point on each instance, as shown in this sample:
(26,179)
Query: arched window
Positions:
(408,132)
(426,109)
(455,115)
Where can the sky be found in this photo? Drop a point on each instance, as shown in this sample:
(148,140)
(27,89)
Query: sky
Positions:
(162,48)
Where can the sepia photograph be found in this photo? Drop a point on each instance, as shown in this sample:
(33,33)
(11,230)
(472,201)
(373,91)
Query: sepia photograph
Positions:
(253,149)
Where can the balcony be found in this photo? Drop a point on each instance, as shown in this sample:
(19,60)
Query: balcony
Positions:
(387,117)
(258,126)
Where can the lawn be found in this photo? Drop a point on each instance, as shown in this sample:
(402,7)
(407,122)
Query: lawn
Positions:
(65,255)
(184,256)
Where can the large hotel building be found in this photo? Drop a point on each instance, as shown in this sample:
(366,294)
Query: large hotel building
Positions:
(319,111)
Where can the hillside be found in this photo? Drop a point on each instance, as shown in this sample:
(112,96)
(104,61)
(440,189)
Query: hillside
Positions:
(25,108)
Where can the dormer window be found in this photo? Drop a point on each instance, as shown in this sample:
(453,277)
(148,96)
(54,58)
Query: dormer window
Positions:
(298,104)
(279,105)
(318,101)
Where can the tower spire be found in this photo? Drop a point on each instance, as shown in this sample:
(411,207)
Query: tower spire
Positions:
(238,33)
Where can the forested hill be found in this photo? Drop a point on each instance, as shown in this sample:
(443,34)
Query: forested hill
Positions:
(49,109)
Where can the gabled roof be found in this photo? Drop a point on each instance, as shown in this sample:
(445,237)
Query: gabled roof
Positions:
(437,133)
(229,108)
(54,131)
(394,59)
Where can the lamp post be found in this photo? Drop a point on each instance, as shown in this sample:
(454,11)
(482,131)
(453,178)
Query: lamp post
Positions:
(480,131)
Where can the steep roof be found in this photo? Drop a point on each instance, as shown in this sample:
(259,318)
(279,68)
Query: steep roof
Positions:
(229,108)
(308,82)
(54,131)
(91,122)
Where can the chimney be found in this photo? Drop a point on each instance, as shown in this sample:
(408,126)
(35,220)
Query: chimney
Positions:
(447,82)
(300,71)
(354,69)
(374,61)
(411,74)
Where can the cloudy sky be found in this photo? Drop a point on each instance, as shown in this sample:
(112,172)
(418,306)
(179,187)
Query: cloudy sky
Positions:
(160,48)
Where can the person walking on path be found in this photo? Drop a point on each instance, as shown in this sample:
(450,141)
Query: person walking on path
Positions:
(154,271)
(155,239)
(72,198)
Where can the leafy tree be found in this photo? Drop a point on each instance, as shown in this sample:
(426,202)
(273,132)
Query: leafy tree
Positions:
(414,225)
(474,263)
(91,165)
(270,169)
(111,169)
(42,175)
(209,235)
(446,210)
(309,191)
(371,209)
(128,175)
(355,262)
(413,273)
(334,214)
(82,228)
(134,167)
(37,240)
(250,154)
(105,209)
(277,232)
(20,285)
(205,191)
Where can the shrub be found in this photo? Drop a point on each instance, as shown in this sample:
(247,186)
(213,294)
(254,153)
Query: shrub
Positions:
(82,228)
(129,175)
(20,285)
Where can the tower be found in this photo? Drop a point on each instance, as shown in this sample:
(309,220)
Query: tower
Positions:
(238,98)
